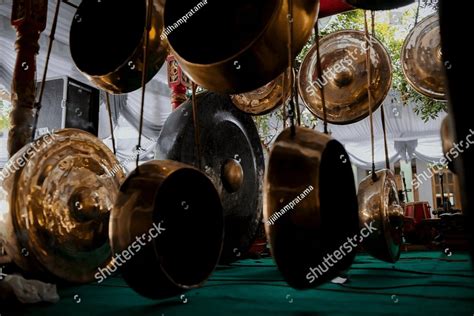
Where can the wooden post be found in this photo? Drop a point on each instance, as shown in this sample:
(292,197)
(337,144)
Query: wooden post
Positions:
(29,19)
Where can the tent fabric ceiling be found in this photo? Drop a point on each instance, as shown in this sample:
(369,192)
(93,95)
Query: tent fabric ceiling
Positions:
(408,136)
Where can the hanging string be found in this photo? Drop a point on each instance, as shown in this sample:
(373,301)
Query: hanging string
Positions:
(320,71)
(297,101)
(417,12)
(48,56)
(111,123)
(291,61)
(369,93)
(144,76)
(197,133)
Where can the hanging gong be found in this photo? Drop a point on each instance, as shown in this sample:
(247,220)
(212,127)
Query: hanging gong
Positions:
(243,44)
(264,99)
(310,207)
(168,220)
(57,195)
(107,38)
(231,155)
(447,141)
(375,5)
(422,61)
(344,77)
(380,209)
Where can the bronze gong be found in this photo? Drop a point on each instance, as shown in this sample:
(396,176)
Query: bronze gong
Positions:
(58,193)
(310,206)
(422,61)
(379,4)
(231,155)
(237,46)
(264,99)
(107,39)
(344,77)
(380,209)
(182,207)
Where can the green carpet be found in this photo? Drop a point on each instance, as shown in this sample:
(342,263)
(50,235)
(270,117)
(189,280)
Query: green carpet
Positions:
(421,283)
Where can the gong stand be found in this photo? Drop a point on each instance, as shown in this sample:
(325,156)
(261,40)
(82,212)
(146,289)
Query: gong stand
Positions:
(29,18)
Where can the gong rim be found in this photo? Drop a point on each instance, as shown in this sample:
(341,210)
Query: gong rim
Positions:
(108,59)
(345,89)
(169,193)
(62,220)
(301,237)
(426,29)
(379,204)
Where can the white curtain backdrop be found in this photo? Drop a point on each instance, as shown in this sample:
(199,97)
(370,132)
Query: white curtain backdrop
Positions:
(408,136)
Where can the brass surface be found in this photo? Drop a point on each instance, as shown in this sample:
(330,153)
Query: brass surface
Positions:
(56,205)
(264,99)
(344,77)
(379,207)
(375,5)
(422,61)
(324,217)
(447,141)
(107,39)
(232,175)
(253,50)
(186,205)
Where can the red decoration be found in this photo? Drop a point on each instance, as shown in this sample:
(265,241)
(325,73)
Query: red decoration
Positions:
(177,81)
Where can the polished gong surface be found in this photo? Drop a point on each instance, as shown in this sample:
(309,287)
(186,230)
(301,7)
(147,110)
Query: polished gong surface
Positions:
(57,205)
(447,141)
(264,99)
(168,218)
(379,208)
(242,45)
(310,206)
(379,4)
(232,157)
(422,61)
(107,39)
(344,77)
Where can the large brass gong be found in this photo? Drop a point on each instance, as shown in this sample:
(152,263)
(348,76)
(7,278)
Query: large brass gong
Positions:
(107,39)
(344,77)
(182,207)
(310,206)
(57,194)
(422,61)
(236,46)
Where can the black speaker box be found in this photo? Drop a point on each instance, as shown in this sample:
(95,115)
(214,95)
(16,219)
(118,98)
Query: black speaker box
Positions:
(68,103)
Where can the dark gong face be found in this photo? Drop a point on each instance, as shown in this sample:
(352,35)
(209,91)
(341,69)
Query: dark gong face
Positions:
(104,34)
(235,24)
(231,156)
